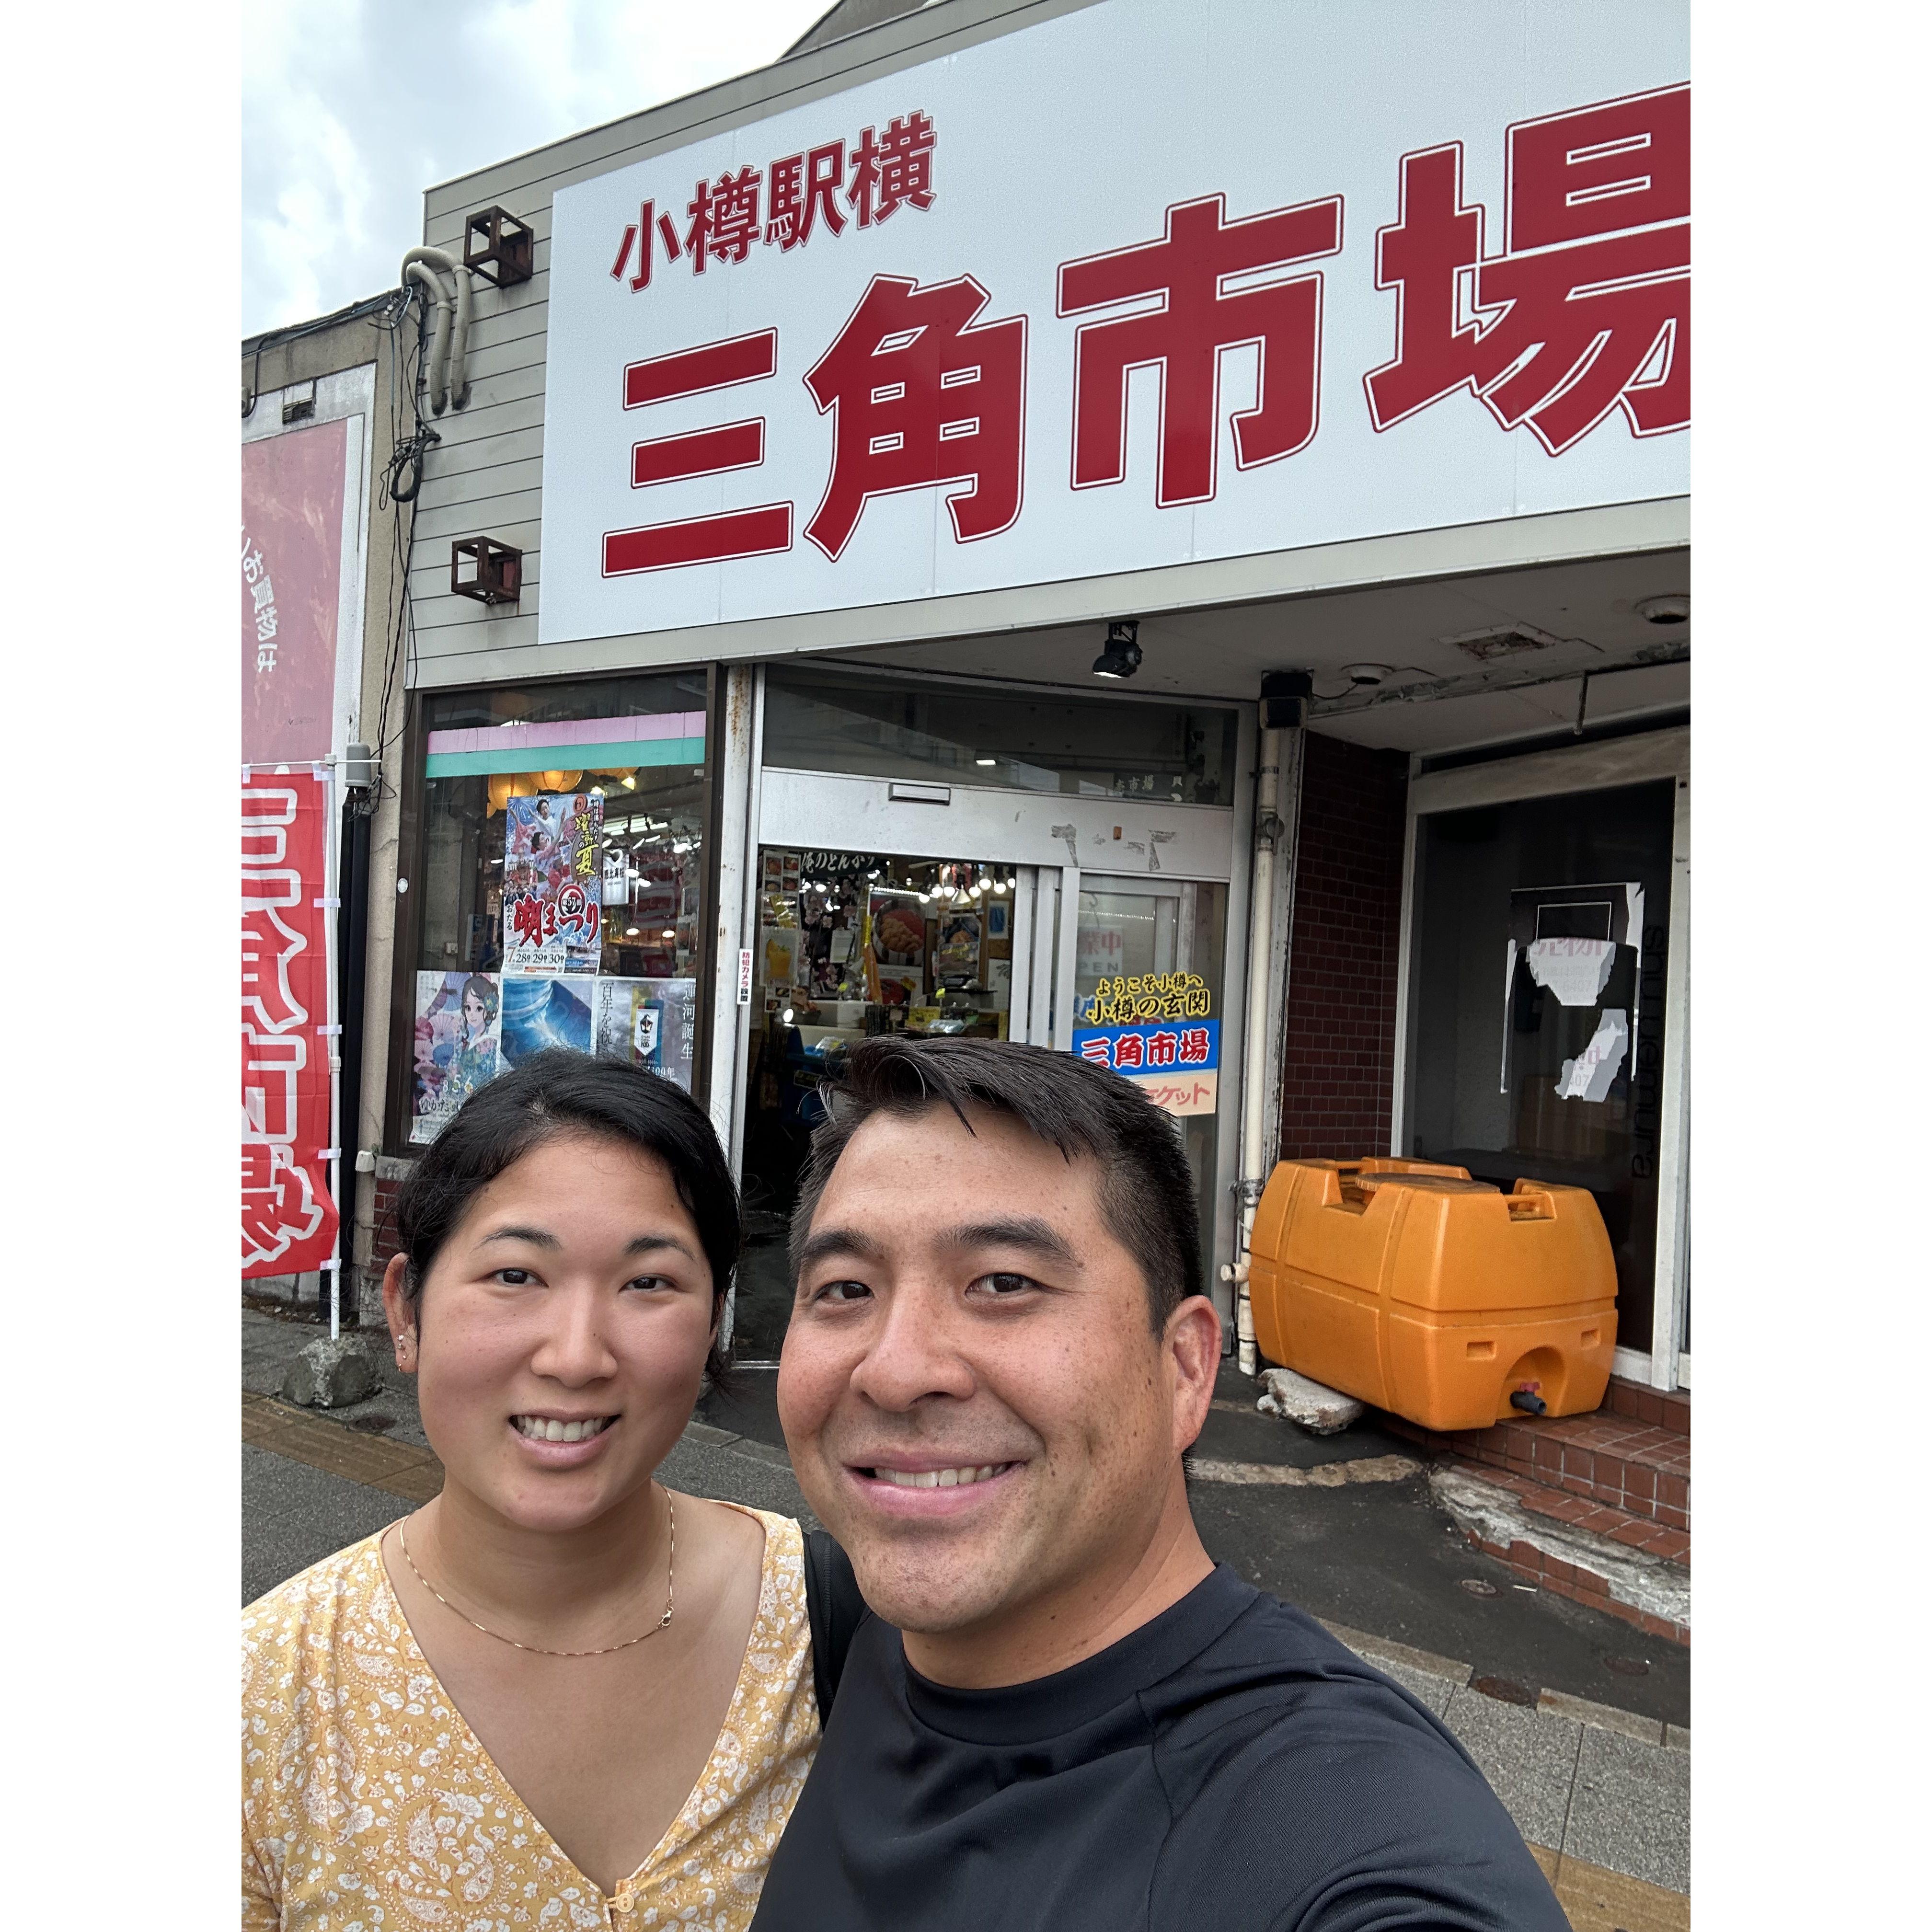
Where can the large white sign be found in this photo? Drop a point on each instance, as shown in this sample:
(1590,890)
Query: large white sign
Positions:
(1148,283)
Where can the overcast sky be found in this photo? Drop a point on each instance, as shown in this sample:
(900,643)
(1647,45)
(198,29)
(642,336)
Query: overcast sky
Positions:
(351,108)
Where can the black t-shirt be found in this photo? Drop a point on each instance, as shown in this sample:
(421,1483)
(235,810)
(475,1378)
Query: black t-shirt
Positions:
(1228,1767)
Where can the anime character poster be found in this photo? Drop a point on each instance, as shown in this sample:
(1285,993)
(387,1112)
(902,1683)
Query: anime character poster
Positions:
(543,1010)
(649,1023)
(458,1037)
(552,883)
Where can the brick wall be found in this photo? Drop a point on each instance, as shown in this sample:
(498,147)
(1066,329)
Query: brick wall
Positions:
(1338,1046)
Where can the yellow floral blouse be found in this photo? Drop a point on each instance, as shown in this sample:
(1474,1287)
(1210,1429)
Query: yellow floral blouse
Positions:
(367,1802)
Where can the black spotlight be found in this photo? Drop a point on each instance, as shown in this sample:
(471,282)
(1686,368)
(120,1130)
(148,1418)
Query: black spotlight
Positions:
(1122,657)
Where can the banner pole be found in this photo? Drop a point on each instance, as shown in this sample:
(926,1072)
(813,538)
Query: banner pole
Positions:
(325,773)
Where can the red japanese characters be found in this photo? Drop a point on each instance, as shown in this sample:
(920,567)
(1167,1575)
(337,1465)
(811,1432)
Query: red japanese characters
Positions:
(1588,306)
(783,204)
(919,394)
(1185,337)
(1586,310)
(288,1220)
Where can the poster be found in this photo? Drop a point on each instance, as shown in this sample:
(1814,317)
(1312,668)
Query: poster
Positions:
(291,499)
(1156,1030)
(649,1023)
(542,1011)
(955,957)
(288,1219)
(552,878)
(777,949)
(898,928)
(455,1050)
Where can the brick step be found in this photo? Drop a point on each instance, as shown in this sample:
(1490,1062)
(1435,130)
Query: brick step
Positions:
(1615,1460)
(1634,1566)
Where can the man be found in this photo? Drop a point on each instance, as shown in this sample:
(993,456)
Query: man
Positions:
(1061,1713)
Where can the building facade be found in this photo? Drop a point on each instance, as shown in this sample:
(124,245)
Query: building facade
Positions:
(1162,532)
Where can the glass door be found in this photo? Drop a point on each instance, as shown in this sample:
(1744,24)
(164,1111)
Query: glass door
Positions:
(851,944)
(885,905)
(1147,992)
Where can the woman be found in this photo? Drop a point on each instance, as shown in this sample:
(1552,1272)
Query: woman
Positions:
(558,1695)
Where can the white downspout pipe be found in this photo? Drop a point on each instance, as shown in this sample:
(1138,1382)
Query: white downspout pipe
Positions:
(448,347)
(1256,1083)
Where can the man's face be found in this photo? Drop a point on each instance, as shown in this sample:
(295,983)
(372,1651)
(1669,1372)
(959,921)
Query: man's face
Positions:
(976,1402)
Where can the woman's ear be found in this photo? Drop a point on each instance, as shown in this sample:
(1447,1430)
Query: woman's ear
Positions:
(400,1312)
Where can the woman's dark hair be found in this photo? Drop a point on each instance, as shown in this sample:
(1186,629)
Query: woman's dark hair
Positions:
(1069,1103)
(560,1092)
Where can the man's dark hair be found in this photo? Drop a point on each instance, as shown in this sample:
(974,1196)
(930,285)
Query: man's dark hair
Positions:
(1146,1191)
(560,1092)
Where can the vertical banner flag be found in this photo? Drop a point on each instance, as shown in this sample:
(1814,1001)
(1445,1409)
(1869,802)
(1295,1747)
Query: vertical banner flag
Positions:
(292,488)
(288,1220)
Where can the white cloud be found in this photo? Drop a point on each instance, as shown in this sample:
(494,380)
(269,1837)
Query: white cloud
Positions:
(349,110)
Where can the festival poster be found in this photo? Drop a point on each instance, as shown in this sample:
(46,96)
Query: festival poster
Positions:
(553,872)
(456,1046)
(292,487)
(542,1011)
(288,1218)
(650,1023)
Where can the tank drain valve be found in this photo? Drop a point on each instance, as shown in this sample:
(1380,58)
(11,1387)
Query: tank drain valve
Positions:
(1529,1401)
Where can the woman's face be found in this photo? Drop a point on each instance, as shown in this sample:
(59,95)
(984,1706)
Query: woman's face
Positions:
(475,1015)
(574,1293)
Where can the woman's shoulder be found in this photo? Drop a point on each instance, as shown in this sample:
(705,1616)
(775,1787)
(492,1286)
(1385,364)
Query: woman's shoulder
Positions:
(312,1610)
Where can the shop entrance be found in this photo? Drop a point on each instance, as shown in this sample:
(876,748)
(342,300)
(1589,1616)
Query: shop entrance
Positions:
(932,910)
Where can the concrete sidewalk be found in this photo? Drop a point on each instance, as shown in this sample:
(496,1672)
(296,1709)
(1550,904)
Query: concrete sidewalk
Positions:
(1600,1791)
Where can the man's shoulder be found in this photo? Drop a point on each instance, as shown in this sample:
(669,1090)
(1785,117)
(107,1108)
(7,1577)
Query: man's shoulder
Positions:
(1296,1772)
(1273,1658)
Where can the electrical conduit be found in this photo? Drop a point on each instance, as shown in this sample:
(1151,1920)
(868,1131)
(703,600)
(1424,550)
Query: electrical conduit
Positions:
(449,383)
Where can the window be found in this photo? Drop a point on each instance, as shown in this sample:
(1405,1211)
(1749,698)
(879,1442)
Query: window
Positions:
(559,882)
(965,734)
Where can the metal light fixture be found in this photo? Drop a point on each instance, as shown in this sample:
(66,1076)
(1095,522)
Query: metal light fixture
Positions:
(1122,657)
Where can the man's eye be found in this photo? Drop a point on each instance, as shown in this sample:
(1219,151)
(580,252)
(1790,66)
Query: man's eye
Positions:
(841,1291)
(1005,1284)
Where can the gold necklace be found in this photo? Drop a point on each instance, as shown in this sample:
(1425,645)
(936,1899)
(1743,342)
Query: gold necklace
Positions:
(671,1599)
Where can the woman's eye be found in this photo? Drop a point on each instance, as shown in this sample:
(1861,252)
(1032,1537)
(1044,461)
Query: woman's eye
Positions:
(1005,1284)
(514,1277)
(651,1283)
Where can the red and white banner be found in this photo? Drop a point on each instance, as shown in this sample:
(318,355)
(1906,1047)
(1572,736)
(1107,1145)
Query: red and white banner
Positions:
(1141,285)
(288,1217)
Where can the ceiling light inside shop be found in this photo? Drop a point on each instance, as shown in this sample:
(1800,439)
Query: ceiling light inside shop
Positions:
(984,762)
(786,1016)
(631,781)
(630,932)
(669,932)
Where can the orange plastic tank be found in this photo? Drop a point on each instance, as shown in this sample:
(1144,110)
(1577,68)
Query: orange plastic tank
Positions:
(1432,1295)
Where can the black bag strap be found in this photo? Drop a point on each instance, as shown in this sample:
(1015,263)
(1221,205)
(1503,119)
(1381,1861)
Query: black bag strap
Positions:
(834,1609)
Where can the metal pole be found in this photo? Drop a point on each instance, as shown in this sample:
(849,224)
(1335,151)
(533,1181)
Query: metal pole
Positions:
(1255,1084)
